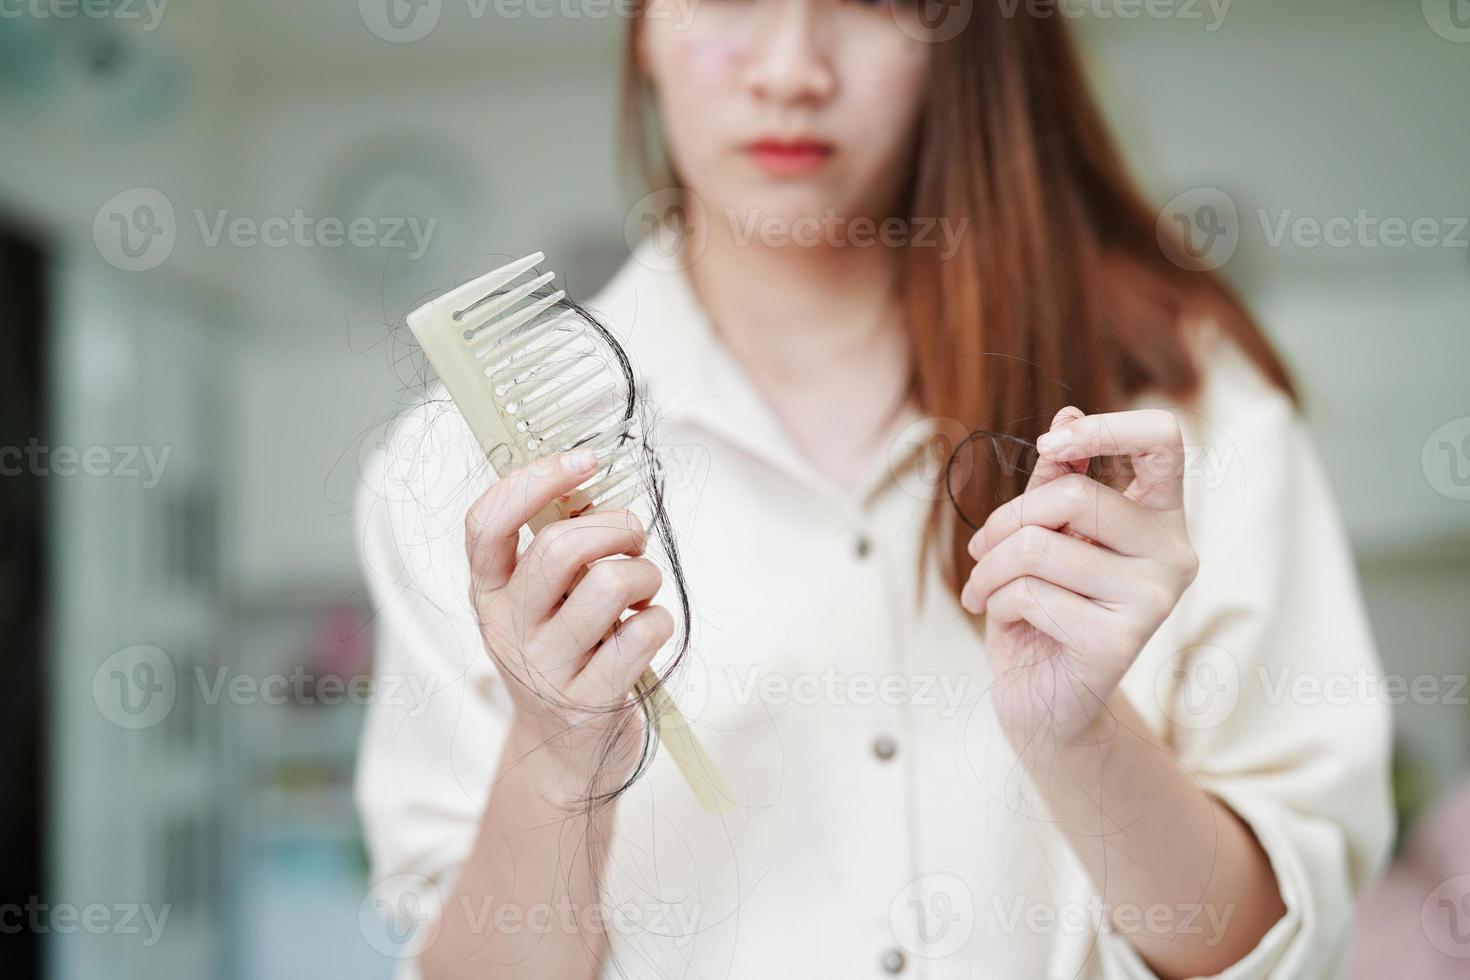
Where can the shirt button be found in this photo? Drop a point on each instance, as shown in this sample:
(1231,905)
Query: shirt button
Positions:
(885,747)
(893,961)
(864,547)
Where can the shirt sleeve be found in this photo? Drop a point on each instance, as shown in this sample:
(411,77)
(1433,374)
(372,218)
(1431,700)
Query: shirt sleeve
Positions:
(438,720)
(1265,682)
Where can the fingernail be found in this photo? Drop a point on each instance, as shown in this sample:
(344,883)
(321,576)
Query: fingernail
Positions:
(1055,441)
(580,461)
(967,598)
(977,545)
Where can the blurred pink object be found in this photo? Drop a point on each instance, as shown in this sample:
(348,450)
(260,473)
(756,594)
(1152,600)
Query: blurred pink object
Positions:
(342,642)
(1414,922)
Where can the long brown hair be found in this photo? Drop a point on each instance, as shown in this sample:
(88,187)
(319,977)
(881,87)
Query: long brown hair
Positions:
(1061,291)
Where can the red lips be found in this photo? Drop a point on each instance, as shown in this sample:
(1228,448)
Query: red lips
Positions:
(790,157)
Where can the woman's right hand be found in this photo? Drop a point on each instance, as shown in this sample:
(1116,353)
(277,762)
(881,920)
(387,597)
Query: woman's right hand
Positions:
(567,661)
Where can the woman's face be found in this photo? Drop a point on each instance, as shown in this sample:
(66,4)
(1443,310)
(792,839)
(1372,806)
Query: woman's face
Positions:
(778,110)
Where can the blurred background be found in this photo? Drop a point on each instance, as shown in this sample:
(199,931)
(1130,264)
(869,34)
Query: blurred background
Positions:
(212,215)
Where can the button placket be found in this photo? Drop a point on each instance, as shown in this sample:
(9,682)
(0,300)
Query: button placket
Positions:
(891,742)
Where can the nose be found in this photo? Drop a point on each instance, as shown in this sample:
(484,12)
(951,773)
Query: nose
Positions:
(789,63)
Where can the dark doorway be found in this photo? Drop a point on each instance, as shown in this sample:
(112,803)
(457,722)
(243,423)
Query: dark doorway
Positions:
(24,327)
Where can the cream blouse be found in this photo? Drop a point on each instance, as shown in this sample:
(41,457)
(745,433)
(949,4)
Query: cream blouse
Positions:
(883,825)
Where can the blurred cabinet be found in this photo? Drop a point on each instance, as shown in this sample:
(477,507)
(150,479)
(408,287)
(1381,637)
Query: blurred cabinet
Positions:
(135,784)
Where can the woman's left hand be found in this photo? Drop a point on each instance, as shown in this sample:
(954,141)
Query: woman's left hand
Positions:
(1074,576)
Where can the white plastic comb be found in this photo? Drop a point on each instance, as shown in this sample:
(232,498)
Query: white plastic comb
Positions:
(531,379)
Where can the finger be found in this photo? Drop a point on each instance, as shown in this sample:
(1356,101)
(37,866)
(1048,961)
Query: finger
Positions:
(609,589)
(1047,470)
(1066,561)
(561,550)
(493,523)
(1080,504)
(1150,438)
(616,664)
(1066,619)
(1065,616)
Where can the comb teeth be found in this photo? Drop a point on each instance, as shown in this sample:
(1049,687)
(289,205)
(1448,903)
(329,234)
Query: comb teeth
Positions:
(533,376)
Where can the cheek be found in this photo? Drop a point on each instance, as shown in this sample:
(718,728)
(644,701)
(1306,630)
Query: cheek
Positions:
(711,63)
(704,54)
(883,111)
(696,73)
(888,81)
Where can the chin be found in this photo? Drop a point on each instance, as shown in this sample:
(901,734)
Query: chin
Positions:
(785,200)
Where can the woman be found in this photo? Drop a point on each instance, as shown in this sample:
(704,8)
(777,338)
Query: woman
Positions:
(1063,745)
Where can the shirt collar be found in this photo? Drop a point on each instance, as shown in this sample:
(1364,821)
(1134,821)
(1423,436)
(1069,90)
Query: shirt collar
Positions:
(689,376)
